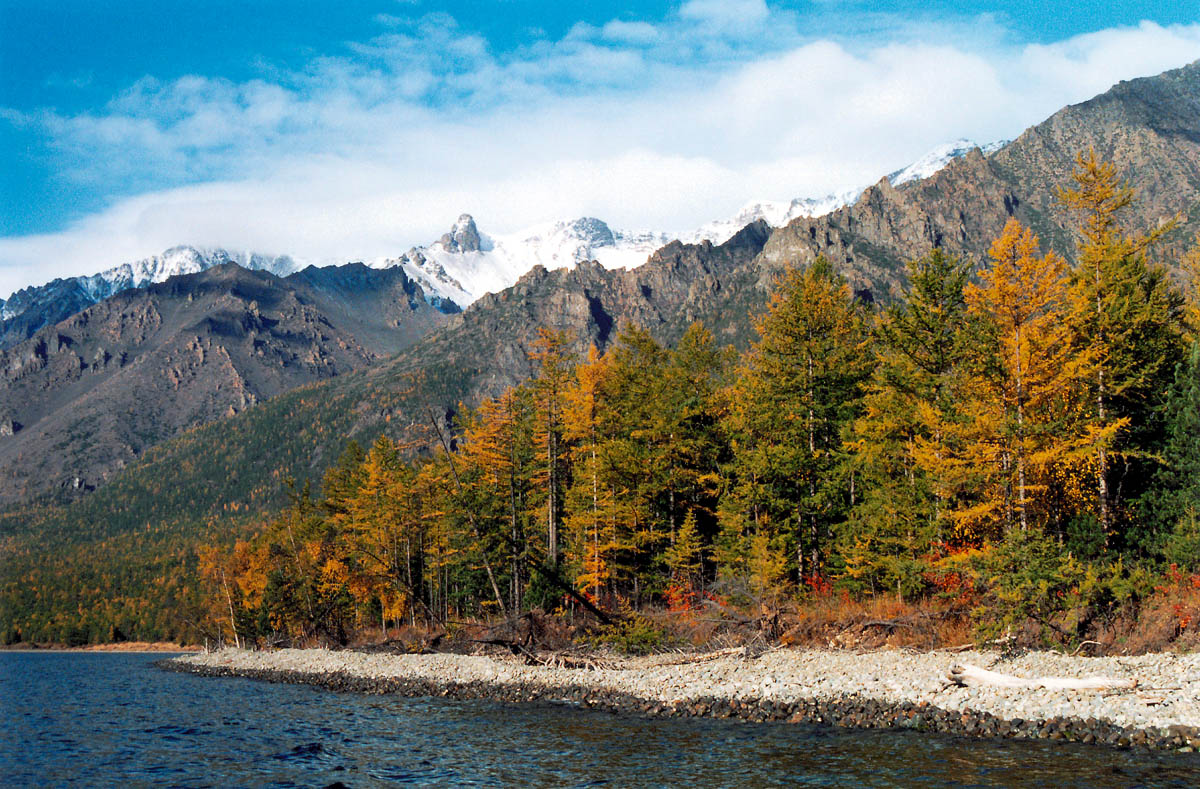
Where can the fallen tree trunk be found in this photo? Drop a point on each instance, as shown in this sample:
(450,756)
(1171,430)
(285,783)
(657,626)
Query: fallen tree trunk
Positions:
(967,675)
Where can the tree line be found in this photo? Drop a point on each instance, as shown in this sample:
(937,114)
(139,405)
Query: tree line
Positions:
(1033,425)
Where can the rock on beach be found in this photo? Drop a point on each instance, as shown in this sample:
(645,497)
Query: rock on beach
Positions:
(867,690)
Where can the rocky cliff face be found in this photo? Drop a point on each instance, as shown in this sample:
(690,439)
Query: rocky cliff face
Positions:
(1149,128)
(85,397)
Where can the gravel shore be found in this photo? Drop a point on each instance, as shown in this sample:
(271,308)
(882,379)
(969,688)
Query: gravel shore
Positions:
(869,690)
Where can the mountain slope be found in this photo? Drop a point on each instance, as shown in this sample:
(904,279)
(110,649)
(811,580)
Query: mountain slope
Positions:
(198,485)
(85,397)
(461,266)
(32,308)
(1149,128)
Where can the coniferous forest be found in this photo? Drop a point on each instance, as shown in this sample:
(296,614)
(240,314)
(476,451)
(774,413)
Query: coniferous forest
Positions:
(1012,446)
(1018,446)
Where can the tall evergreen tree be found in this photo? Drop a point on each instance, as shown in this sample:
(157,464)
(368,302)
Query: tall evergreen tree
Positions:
(496,461)
(637,451)
(904,444)
(1176,490)
(799,387)
(1127,318)
(551,353)
(591,518)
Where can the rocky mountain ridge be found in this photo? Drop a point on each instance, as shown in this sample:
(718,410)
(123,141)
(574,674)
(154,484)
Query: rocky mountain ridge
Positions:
(459,267)
(81,399)
(1147,127)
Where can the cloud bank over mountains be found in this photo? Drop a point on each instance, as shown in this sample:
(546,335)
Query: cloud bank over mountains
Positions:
(649,124)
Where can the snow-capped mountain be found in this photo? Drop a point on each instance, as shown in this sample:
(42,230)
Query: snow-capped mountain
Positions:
(463,264)
(774,213)
(778,214)
(176,261)
(31,308)
(939,157)
(147,271)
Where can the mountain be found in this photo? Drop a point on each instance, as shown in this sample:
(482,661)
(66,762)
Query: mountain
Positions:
(460,267)
(935,160)
(203,472)
(1149,128)
(464,264)
(85,397)
(31,308)
(197,485)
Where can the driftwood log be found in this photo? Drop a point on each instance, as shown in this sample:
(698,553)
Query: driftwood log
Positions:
(973,676)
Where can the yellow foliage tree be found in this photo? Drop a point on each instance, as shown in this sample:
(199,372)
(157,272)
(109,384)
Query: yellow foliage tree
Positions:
(1026,412)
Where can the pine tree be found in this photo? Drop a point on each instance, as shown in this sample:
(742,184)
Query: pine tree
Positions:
(343,479)
(798,389)
(590,501)
(685,557)
(636,454)
(554,362)
(690,409)
(1191,293)
(1176,490)
(906,444)
(1127,319)
(496,461)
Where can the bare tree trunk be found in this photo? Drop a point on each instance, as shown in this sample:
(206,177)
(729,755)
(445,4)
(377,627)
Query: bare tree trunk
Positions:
(551,501)
(1021,500)
(1102,453)
(237,642)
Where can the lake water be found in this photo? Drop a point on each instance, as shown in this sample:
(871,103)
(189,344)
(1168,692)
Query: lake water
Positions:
(71,719)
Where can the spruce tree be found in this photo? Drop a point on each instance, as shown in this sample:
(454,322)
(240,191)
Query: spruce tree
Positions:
(902,448)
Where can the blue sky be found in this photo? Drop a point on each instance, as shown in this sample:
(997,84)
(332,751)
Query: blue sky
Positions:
(360,128)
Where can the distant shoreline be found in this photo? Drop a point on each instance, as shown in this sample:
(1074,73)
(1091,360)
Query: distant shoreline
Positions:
(122,646)
(882,689)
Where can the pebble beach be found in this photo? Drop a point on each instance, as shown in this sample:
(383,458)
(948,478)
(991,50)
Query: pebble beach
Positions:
(878,689)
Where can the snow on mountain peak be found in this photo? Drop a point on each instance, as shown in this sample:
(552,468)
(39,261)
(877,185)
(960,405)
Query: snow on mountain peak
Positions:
(778,213)
(463,237)
(175,261)
(939,157)
(465,263)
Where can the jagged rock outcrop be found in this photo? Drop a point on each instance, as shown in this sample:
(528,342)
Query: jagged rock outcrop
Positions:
(463,237)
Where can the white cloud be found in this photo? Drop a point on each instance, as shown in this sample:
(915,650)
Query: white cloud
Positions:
(630,32)
(660,126)
(726,14)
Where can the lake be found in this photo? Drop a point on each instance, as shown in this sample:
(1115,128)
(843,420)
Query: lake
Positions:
(109,718)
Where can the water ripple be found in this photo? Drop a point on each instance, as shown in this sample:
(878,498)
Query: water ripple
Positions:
(73,719)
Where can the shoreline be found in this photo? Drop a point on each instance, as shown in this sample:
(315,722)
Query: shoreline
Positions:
(120,646)
(885,689)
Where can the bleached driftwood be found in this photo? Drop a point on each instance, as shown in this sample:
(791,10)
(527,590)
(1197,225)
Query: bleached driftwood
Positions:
(974,676)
